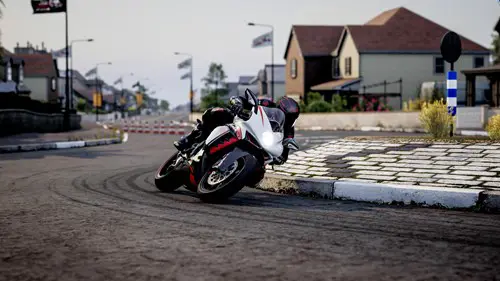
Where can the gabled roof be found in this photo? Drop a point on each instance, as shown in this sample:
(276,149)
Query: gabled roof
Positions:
(401,30)
(37,65)
(245,79)
(315,40)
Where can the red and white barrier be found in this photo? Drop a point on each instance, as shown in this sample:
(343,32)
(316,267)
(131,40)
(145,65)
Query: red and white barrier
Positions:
(144,127)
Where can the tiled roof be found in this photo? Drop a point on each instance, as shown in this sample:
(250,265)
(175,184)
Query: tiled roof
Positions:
(317,40)
(38,64)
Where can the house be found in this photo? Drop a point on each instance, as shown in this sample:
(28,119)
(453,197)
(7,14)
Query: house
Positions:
(80,89)
(398,46)
(249,82)
(12,76)
(263,81)
(40,73)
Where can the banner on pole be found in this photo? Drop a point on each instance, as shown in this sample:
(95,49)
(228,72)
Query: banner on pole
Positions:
(263,40)
(184,64)
(451,98)
(48,6)
(61,53)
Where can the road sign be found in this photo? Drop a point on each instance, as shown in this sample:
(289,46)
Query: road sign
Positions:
(138,96)
(451,47)
(451,86)
(97,99)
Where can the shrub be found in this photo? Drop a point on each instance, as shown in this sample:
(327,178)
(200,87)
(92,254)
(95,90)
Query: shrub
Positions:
(435,119)
(415,105)
(372,104)
(493,127)
(319,106)
(339,103)
(313,96)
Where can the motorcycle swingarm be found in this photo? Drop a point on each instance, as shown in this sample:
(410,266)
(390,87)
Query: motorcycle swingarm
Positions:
(230,158)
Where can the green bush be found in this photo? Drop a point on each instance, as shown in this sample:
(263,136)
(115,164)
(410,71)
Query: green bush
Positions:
(493,127)
(319,106)
(339,103)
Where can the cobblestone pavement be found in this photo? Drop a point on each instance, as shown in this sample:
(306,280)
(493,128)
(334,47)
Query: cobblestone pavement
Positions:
(409,163)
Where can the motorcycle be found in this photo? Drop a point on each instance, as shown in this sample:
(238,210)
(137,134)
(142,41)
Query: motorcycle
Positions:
(233,155)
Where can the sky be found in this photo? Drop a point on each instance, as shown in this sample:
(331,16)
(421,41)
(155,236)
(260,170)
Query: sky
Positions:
(141,36)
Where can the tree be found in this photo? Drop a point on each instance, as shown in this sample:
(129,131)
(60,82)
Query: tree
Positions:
(1,49)
(215,85)
(495,44)
(164,105)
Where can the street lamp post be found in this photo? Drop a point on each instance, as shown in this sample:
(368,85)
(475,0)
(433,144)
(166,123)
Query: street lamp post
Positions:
(71,67)
(121,95)
(190,80)
(272,53)
(97,88)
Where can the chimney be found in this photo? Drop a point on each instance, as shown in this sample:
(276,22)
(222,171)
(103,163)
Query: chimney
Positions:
(17,44)
(36,47)
(43,46)
(27,44)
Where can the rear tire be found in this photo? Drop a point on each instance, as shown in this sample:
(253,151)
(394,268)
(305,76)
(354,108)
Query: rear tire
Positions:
(219,192)
(168,178)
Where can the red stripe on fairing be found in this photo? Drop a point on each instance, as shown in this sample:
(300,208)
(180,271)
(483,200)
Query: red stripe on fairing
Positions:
(261,115)
(191,176)
(222,145)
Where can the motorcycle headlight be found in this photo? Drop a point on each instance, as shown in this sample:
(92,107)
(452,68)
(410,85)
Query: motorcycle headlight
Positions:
(267,139)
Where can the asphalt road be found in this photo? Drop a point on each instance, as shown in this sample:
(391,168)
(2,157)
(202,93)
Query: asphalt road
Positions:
(94,214)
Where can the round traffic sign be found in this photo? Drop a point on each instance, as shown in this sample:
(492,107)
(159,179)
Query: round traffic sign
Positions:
(451,47)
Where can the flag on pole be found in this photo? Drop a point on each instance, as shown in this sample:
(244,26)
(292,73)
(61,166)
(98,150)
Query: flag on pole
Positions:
(186,76)
(263,40)
(120,80)
(137,84)
(184,64)
(91,72)
(48,6)
(61,53)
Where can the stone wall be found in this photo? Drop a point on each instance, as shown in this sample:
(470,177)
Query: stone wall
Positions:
(16,121)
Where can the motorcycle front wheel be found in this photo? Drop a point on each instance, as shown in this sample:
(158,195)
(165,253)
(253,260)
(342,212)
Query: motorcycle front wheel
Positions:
(171,175)
(218,186)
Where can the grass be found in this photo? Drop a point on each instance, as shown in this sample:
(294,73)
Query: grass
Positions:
(426,139)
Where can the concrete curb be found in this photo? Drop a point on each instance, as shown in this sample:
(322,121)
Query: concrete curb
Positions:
(57,145)
(398,130)
(453,198)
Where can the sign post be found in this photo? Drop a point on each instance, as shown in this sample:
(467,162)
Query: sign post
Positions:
(451,49)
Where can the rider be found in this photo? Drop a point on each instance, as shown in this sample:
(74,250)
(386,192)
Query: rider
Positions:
(217,116)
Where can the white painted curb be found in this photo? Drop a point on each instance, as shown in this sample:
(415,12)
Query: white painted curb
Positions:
(388,193)
(69,144)
(473,133)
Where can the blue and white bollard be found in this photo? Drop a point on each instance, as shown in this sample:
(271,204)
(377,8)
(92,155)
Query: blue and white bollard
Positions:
(451,99)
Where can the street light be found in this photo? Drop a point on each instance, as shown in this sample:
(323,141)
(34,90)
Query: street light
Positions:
(272,53)
(97,86)
(190,78)
(71,67)
(122,93)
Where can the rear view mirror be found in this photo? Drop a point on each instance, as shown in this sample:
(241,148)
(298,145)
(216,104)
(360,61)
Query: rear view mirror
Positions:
(252,99)
(292,146)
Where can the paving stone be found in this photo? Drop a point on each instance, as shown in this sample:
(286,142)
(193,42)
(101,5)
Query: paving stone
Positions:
(484,164)
(431,149)
(426,180)
(400,182)
(342,170)
(353,179)
(473,173)
(382,155)
(467,155)
(282,173)
(458,163)
(494,155)
(375,177)
(324,178)
(453,177)
(415,166)
(426,153)
(489,179)
(318,169)
(354,158)
(463,150)
(340,175)
(491,160)
(414,175)
(400,152)
(439,184)
(481,147)
(302,176)
(425,162)
(448,158)
(385,160)
(339,165)
(470,168)
(447,146)
(366,167)
(317,173)
(492,183)
(396,169)
(497,151)
(495,170)
(380,173)
(392,144)
(459,182)
(367,163)
(316,164)
(377,147)
(414,157)
(295,166)
(294,171)
(335,161)
(318,160)
(435,171)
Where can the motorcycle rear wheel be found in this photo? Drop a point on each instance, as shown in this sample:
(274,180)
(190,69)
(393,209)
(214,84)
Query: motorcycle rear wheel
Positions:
(169,176)
(217,187)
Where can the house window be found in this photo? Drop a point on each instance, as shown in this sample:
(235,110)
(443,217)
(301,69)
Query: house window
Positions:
(53,84)
(293,69)
(335,68)
(438,65)
(478,62)
(21,73)
(348,66)
(9,72)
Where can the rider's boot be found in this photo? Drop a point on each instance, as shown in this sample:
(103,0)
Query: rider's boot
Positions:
(188,140)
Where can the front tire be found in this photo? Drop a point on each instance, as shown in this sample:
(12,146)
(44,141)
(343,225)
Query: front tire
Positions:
(218,187)
(169,176)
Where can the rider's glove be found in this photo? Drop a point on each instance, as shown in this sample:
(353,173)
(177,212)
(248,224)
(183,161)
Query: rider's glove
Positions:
(235,105)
